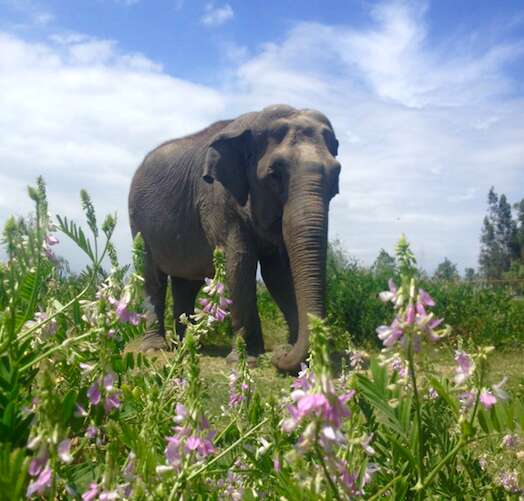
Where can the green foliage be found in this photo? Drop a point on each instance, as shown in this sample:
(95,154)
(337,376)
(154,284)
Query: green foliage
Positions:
(446,271)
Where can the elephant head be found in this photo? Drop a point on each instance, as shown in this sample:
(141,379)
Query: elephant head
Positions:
(281,161)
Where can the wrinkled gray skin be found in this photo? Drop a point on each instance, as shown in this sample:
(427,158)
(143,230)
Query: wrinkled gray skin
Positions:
(258,186)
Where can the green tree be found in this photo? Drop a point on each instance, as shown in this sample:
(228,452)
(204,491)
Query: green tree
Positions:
(384,266)
(446,271)
(498,238)
(470,274)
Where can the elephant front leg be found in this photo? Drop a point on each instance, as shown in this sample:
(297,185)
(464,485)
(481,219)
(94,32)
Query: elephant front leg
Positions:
(241,269)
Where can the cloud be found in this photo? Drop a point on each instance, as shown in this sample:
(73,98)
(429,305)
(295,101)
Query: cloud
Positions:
(424,129)
(215,16)
(83,114)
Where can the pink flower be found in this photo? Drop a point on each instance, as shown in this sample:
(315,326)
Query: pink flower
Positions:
(93,394)
(91,493)
(121,309)
(487,399)
(276,465)
(51,240)
(467,399)
(112,401)
(42,483)
(64,452)
(465,367)
(389,335)
(109,381)
(391,294)
(424,298)
(91,432)
(38,462)
(410,314)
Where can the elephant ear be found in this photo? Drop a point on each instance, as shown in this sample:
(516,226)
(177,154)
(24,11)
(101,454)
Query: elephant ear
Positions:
(226,161)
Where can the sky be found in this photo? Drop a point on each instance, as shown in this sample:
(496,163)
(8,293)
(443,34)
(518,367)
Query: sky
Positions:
(426,98)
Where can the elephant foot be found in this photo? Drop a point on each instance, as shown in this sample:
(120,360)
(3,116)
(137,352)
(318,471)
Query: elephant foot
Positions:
(233,358)
(279,353)
(153,341)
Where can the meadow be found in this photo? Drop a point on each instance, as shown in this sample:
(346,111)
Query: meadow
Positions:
(413,388)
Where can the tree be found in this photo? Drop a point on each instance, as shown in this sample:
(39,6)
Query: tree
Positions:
(498,237)
(446,271)
(384,266)
(470,274)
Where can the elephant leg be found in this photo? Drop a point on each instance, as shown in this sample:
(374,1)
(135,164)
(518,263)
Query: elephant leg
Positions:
(276,273)
(155,284)
(241,269)
(184,295)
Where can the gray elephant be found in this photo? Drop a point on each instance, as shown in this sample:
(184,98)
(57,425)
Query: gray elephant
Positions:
(258,186)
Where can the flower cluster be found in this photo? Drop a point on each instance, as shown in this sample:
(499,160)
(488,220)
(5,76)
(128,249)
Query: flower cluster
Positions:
(411,316)
(105,386)
(188,443)
(215,305)
(39,468)
(121,307)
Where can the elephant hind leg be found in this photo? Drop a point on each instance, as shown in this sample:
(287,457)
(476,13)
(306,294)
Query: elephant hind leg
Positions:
(184,295)
(155,284)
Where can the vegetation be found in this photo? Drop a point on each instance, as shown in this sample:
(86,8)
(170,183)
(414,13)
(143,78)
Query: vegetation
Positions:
(84,417)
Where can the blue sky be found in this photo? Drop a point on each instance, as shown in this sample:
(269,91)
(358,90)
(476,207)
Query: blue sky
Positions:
(427,99)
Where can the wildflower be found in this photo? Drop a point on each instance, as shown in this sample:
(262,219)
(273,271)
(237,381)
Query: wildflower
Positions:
(432,393)
(424,299)
(91,493)
(109,381)
(108,496)
(467,399)
(487,399)
(51,240)
(91,432)
(42,483)
(276,465)
(93,394)
(499,392)
(38,462)
(304,379)
(64,451)
(510,481)
(358,359)
(465,367)
(365,445)
(86,367)
(112,401)
(121,309)
(80,411)
(389,335)
(510,440)
(391,294)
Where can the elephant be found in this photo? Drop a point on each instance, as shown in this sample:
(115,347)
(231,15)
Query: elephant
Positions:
(259,186)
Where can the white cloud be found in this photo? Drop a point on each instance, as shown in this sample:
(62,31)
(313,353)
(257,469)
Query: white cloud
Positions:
(215,16)
(424,130)
(83,115)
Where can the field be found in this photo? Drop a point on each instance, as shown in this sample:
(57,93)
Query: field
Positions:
(393,402)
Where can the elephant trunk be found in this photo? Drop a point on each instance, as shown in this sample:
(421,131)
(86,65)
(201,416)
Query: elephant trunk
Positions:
(305,226)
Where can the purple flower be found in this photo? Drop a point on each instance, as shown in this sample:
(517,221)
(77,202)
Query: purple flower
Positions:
(38,462)
(467,399)
(121,309)
(109,381)
(91,493)
(108,496)
(64,451)
(424,298)
(80,411)
(181,413)
(509,441)
(365,445)
(465,367)
(42,483)
(93,394)
(276,465)
(51,240)
(389,335)
(91,432)
(499,392)
(112,401)
(487,399)
(410,314)
(202,446)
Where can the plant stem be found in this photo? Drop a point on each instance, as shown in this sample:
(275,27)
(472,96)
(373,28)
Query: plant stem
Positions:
(385,488)
(416,397)
(440,465)
(326,472)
